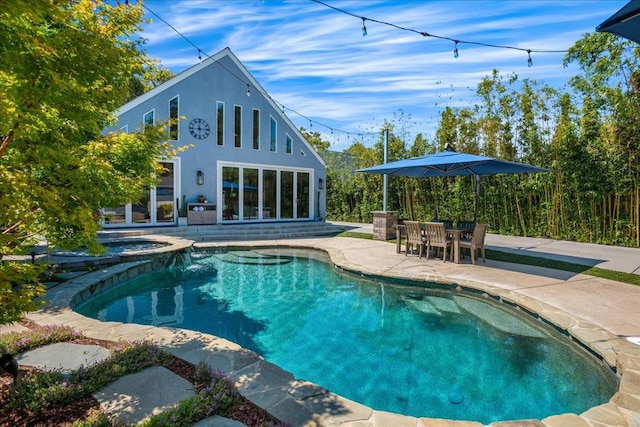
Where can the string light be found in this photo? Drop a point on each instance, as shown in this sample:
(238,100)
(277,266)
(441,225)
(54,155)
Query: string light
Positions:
(364,33)
(311,122)
(425,34)
(201,52)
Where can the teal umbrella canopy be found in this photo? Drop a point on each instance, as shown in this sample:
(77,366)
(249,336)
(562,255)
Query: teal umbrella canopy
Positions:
(451,163)
(625,22)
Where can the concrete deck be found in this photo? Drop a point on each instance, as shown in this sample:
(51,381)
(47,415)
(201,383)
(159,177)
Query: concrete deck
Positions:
(599,313)
(626,260)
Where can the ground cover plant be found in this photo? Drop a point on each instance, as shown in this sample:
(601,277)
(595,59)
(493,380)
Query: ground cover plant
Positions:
(51,398)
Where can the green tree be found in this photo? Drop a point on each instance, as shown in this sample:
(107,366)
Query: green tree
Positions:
(609,83)
(65,67)
(315,139)
(588,135)
(152,75)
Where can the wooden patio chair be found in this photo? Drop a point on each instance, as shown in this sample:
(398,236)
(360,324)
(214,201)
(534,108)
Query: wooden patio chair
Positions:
(437,238)
(414,237)
(466,224)
(476,242)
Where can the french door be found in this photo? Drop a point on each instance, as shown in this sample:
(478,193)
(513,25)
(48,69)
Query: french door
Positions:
(155,207)
(264,193)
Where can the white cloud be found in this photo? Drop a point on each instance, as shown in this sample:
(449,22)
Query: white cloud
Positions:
(316,61)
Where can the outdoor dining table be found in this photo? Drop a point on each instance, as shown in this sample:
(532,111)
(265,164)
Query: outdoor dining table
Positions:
(455,232)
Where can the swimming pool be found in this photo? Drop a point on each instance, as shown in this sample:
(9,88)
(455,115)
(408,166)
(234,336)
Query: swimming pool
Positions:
(415,351)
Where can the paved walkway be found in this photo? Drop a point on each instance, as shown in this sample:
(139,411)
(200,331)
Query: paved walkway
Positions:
(601,314)
(615,258)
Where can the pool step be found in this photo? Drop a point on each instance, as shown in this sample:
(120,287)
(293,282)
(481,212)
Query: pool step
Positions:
(251,258)
(234,232)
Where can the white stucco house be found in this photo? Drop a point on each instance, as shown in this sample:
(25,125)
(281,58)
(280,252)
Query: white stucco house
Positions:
(248,161)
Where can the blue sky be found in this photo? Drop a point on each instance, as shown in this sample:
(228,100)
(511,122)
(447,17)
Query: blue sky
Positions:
(316,62)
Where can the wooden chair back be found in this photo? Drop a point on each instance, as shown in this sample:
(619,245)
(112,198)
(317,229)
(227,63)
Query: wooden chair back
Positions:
(435,233)
(479,233)
(414,232)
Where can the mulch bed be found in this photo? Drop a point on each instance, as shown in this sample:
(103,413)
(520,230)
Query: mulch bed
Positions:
(65,414)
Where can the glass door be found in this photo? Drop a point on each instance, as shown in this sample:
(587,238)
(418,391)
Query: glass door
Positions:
(250,191)
(230,197)
(269,194)
(165,195)
(286,194)
(141,211)
(156,206)
(302,195)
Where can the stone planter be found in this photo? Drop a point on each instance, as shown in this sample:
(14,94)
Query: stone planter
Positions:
(384,223)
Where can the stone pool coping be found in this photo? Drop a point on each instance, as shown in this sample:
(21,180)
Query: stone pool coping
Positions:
(165,254)
(302,403)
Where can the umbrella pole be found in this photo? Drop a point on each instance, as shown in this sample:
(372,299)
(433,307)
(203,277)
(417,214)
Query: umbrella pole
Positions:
(385,177)
(477,201)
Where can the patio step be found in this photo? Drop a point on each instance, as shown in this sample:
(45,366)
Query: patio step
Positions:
(234,232)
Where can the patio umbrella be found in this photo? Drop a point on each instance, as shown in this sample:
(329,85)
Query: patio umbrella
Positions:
(451,163)
(625,22)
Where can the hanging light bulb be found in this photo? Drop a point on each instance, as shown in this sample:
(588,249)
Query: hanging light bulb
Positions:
(455,50)
(529,61)
(248,90)
(364,27)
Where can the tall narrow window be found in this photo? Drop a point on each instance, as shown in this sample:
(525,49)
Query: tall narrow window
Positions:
(149,119)
(220,123)
(272,134)
(289,145)
(256,129)
(173,119)
(237,126)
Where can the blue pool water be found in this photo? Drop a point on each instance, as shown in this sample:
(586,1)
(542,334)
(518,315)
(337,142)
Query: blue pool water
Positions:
(414,351)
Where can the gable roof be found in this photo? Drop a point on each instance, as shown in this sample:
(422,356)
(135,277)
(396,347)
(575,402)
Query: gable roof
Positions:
(211,60)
